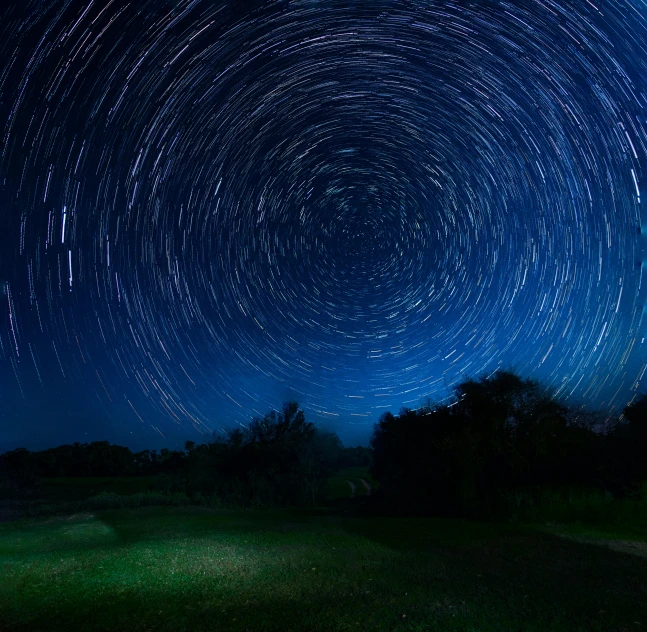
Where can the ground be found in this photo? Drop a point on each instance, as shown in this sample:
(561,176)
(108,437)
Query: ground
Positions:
(190,568)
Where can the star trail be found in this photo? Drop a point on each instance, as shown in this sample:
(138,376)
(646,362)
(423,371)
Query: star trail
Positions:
(208,209)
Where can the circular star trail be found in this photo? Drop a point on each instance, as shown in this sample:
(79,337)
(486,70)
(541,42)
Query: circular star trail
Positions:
(208,209)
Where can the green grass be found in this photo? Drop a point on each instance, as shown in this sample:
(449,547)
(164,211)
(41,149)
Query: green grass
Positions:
(196,569)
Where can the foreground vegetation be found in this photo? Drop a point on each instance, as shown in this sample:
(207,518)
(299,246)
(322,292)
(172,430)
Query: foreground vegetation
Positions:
(194,568)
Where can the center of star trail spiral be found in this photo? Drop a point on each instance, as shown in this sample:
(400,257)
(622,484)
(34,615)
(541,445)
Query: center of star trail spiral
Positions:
(211,208)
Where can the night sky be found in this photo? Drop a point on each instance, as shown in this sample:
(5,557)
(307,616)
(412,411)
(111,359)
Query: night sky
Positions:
(209,209)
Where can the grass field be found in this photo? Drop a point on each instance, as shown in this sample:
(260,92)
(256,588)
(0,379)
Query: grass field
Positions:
(163,568)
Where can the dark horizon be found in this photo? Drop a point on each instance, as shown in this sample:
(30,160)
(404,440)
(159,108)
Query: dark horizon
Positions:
(135,441)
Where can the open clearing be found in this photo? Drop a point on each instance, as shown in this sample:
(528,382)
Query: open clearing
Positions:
(161,568)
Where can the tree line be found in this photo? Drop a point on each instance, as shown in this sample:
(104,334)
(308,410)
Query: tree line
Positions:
(278,459)
(498,437)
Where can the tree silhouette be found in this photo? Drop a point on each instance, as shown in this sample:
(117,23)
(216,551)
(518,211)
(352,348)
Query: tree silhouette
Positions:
(498,434)
(279,458)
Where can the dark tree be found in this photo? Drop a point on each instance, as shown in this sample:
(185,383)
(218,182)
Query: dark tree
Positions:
(624,460)
(498,434)
(279,458)
(636,416)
